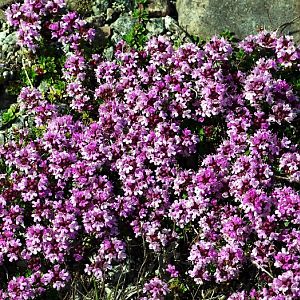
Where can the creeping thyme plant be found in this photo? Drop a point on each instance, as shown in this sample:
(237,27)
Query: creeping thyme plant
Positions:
(165,173)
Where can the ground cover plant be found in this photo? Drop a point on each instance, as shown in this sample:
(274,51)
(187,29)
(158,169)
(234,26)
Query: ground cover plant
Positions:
(166,173)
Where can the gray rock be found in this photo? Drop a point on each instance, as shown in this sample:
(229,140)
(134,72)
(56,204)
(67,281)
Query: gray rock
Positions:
(11,39)
(99,7)
(158,8)
(116,9)
(110,12)
(83,7)
(8,43)
(127,5)
(108,53)
(172,25)
(4,48)
(3,35)
(205,18)
(8,47)
(155,27)
(121,27)
(175,32)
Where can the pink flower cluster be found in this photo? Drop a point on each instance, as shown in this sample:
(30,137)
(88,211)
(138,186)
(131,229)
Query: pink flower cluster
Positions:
(71,30)
(155,289)
(40,19)
(28,18)
(190,150)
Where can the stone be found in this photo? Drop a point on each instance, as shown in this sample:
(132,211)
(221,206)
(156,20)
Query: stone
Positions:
(11,39)
(205,18)
(99,7)
(123,5)
(83,7)
(158,8)
(155,27)
(171,24)
(106,31)
(110,12)
(3,35)
(4,48)
(175,32)
(121,27)
(108,53)
(103,32)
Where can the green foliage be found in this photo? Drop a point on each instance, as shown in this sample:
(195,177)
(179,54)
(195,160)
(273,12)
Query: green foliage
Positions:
(46,68)
(37,132)
(137,36)
(229,35)
(177,287)
(43,71)
(10,115)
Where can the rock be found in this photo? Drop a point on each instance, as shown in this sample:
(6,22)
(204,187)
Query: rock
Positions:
(11,39)
(96,21)
(99,7)
(158,8)
(176,33)
(155,27)
(103,33)
(171,25)
(110,12)
(3,35)
(121,27)
(205,18)
(113,12)
(123,5)
(108,53)
(106,31)
(6,99)
(83,7)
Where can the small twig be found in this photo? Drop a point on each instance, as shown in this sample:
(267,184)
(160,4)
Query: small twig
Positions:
(141,270)
(194,92)
(282,178)
(27,76)
(196,292)
(284,25)
(262,268)
(118,283)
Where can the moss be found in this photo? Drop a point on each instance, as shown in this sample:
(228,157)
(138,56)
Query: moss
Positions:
(83,7)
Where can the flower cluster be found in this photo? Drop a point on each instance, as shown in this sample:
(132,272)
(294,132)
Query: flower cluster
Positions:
(28,18)
(71,30)
(189,150)
(155,289)
(37,20)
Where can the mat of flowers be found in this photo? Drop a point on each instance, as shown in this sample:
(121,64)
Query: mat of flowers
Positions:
(191,154)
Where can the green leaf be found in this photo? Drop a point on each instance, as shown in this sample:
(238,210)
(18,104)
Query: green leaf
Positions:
(201,134)
(10,115)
